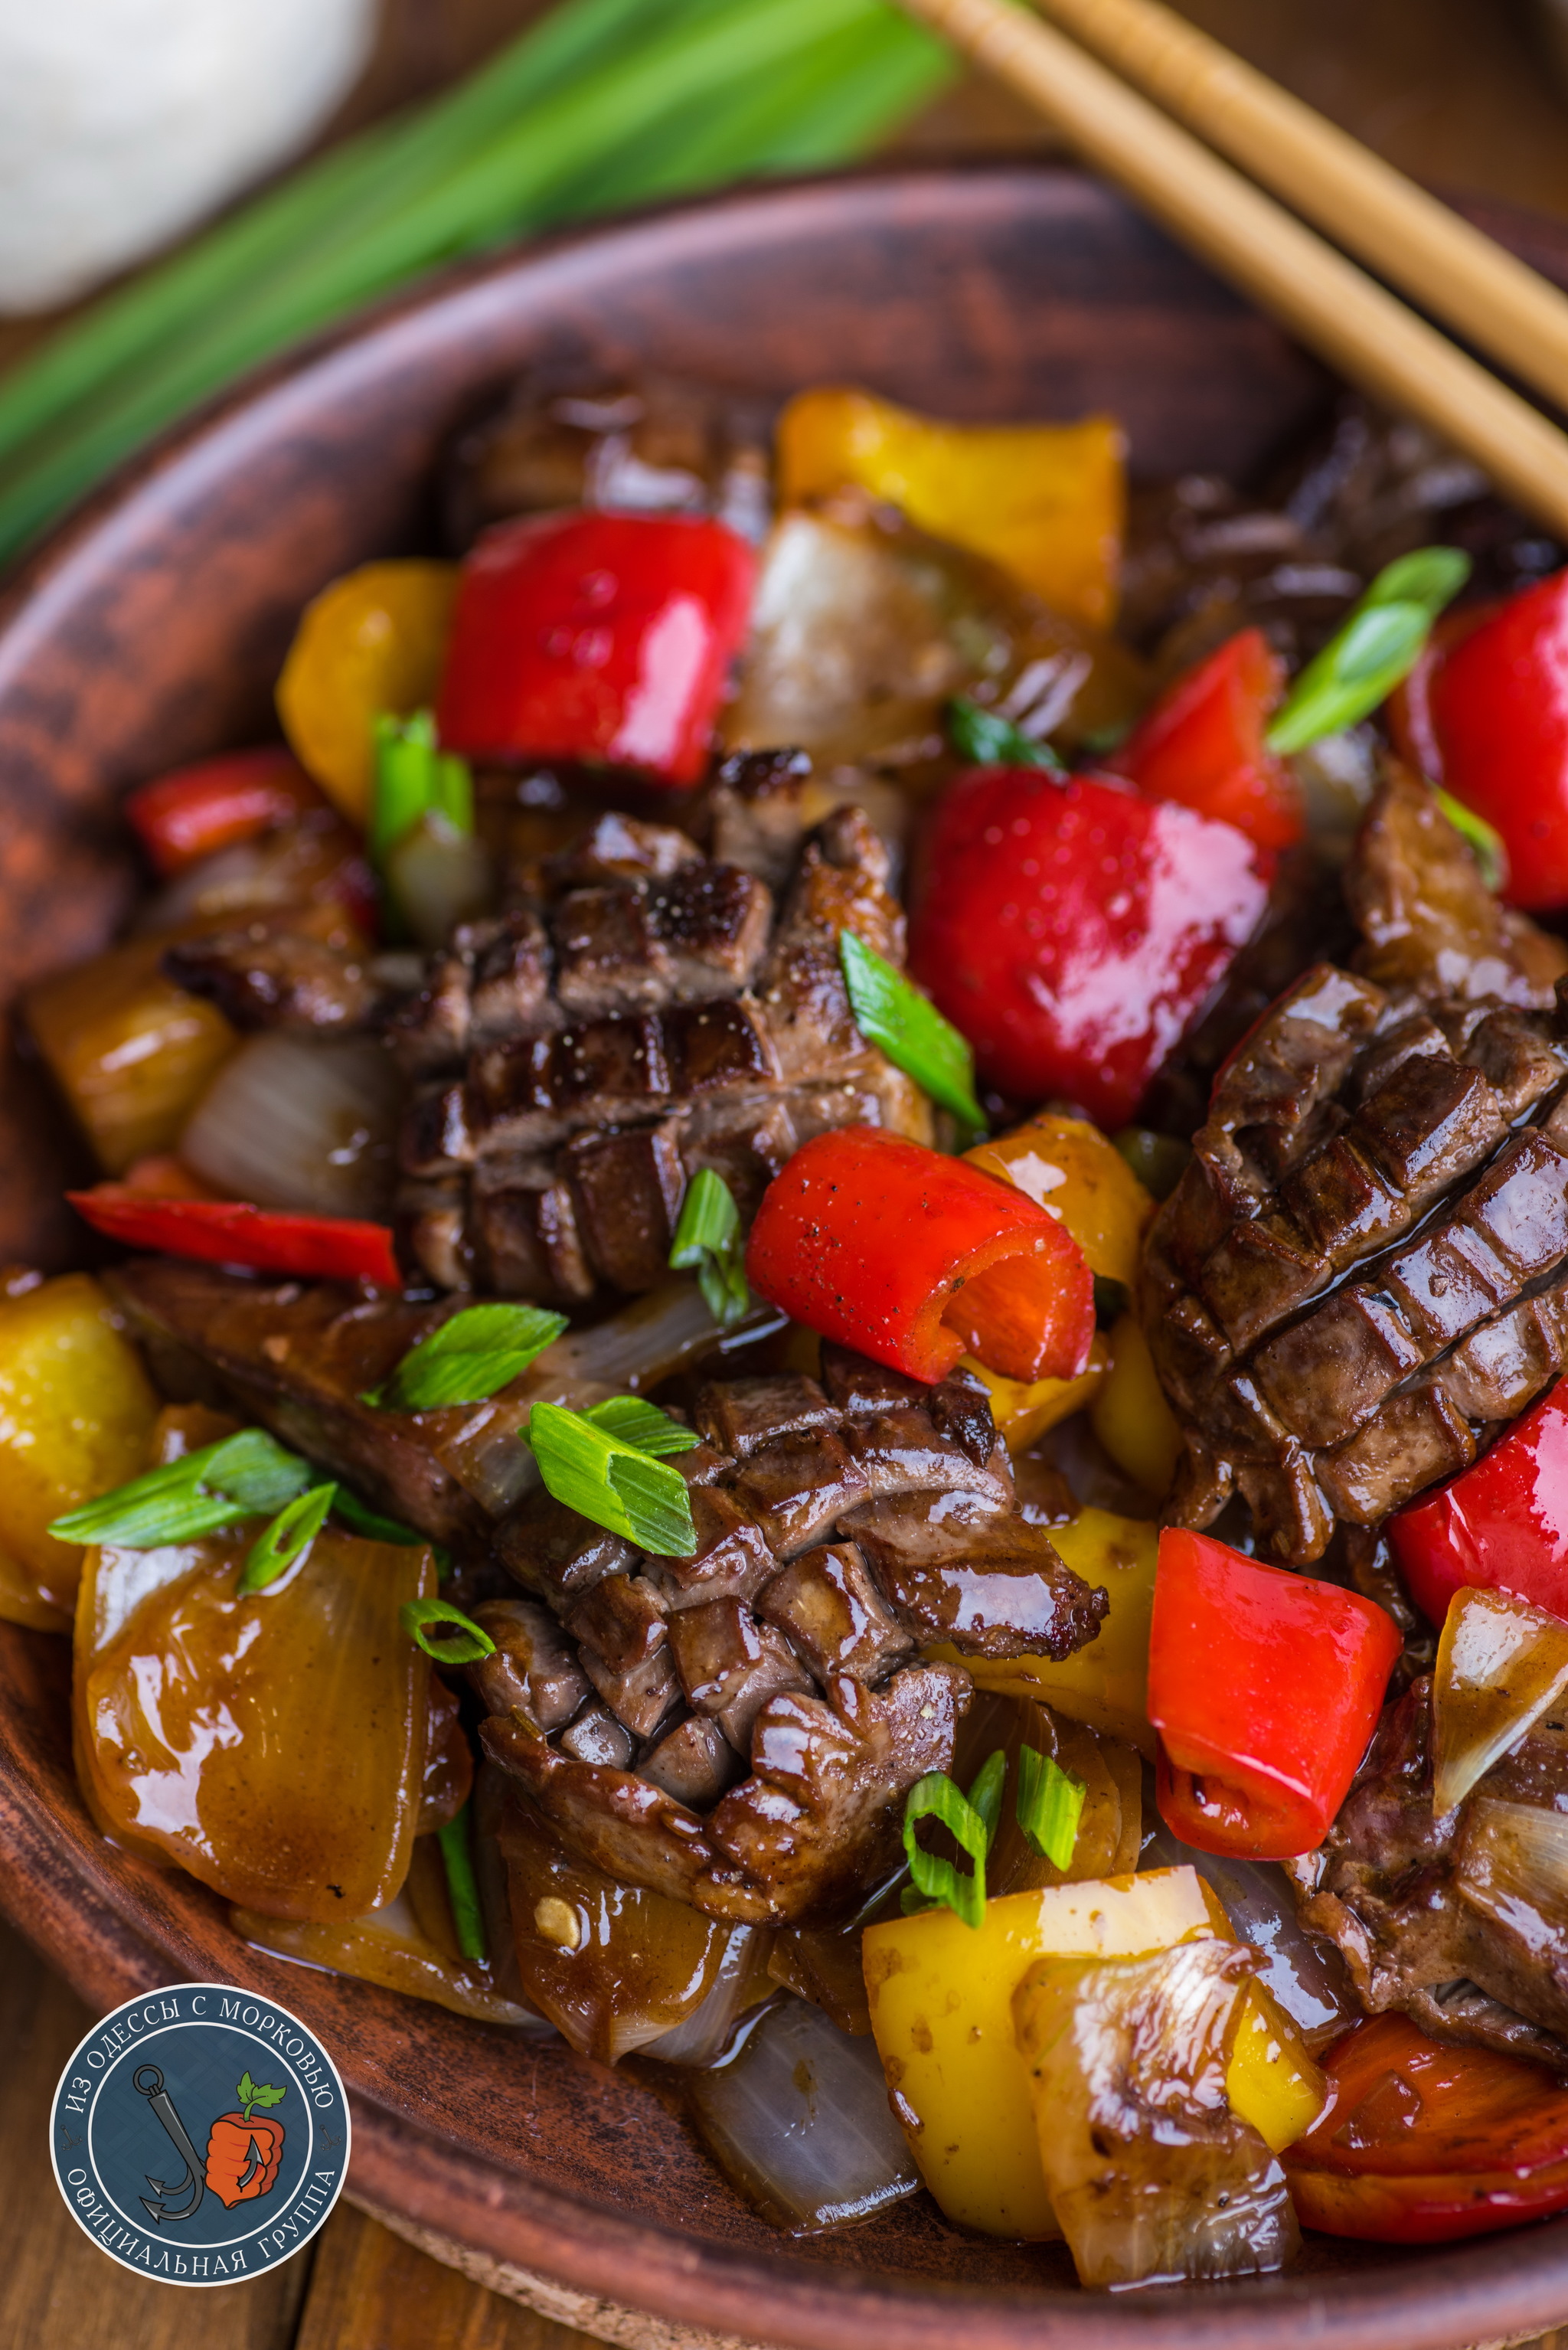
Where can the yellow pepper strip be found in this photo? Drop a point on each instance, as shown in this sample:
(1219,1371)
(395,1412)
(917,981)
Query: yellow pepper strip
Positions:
(1272,2080)
(1129,1414)
(941,1996)
(1047,502)
(1069,1166)
(374,639)
(1105,1685)
(1024,1409)
(76,1418)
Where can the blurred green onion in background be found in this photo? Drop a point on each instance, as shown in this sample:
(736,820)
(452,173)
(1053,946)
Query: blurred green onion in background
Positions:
(605,103)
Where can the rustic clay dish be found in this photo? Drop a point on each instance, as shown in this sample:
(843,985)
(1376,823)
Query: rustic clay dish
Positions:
(149,631)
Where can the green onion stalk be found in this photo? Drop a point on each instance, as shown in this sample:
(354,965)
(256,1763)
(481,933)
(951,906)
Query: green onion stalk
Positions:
(605,103)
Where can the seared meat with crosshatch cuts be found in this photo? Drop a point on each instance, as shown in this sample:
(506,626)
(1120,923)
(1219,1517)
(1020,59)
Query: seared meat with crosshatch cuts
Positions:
(1458,1919)
(747,1720)
(737,1727)
(1365,1266)
(644,1012)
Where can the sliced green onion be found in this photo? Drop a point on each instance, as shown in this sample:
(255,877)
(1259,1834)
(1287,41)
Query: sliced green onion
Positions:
(373,1527)
(892,1012)
(247,1475)
(985,1793)
(1050,1805)
(993,741)
(617,1486)
(462,1885)
(1378,646)
(470,1358)
(412,779)
(936,1797)
(1485,842)
(708,1241)
(642,1425)
(287,1538)
(467,1642)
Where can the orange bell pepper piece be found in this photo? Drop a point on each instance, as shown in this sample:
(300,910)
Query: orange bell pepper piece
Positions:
(373,640)
(1072,1171)
(1047,502)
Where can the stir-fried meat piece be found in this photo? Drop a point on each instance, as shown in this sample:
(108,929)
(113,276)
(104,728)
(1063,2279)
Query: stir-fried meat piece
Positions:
(795,1644)
(568,438)
(265,977)
(1458,1919)
(535,1666)
(1366,1260)
(577,1062)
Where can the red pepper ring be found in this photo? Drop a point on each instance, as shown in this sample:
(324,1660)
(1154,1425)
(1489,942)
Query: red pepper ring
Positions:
(1265,1688)
(232,1231)
(1420,2142)
(915,1259)
(192,812)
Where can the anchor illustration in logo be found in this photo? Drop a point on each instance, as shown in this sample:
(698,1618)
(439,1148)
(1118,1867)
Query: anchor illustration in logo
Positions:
(243,2153)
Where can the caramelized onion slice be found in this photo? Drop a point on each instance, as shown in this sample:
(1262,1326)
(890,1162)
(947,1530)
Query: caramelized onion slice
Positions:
(299,1125)
(1512,1865)
(1500,1663)
(798,2122)
(1305,1973)
(1153,2179)
(387,1947)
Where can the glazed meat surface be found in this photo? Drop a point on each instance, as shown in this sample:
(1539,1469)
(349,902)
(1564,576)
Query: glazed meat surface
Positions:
(1457,1920)
(1365,1265)
(737,1726)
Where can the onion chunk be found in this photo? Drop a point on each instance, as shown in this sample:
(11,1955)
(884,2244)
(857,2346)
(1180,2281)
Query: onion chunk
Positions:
(1500,1663)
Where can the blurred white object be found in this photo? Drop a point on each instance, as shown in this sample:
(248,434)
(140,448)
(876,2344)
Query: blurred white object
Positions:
(123,122)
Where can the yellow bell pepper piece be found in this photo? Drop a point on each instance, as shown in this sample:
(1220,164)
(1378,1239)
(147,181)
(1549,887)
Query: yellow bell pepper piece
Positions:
(1272,2080)
(1105,1685)
(940,1995)
(1069,1166)
(1129,1414)
(373,640)
(1047,502)
(132,1052)
(1024,1409)
(76,1418)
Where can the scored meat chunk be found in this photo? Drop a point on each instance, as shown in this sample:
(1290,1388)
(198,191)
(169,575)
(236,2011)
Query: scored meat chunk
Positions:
(647,1011)
(1367,1259)
(1458,1918)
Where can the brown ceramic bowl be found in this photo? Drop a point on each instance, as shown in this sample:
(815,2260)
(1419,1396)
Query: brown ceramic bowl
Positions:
(149,631)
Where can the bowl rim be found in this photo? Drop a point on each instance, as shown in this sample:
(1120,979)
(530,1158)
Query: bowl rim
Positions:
(1487,2290)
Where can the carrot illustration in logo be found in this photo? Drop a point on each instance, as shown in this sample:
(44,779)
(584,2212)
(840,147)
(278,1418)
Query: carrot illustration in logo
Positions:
(244,2154)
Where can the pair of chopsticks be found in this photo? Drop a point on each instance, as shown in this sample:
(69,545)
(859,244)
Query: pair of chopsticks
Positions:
(1501,306)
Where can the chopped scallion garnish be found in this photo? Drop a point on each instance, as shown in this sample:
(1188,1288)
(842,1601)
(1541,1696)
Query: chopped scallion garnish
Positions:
(1050,1805)
(287,1538)
(373,1527)
(642,1424)
(413,778)
(892,1012)
(1376,647)
(611,1480)
(994,741)
(936,1797)
(247,1475)
(456,1841)
(470,1358)
(1484,841)
(709,1243)
(465,1642)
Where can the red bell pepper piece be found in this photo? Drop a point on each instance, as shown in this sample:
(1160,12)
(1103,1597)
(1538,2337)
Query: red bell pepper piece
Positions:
(1498,704)
(1265,1688)
(597,637)
(915,1259)
(192,811)
(1202,744)
(1502,1525)
(1420,2143)
(232,1231)
(1071,931)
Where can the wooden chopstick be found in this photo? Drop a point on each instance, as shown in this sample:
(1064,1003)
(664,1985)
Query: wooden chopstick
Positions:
(1456,271)
(1344,315)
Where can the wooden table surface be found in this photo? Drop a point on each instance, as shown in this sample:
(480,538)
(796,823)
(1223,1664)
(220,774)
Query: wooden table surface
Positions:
(1457,92)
